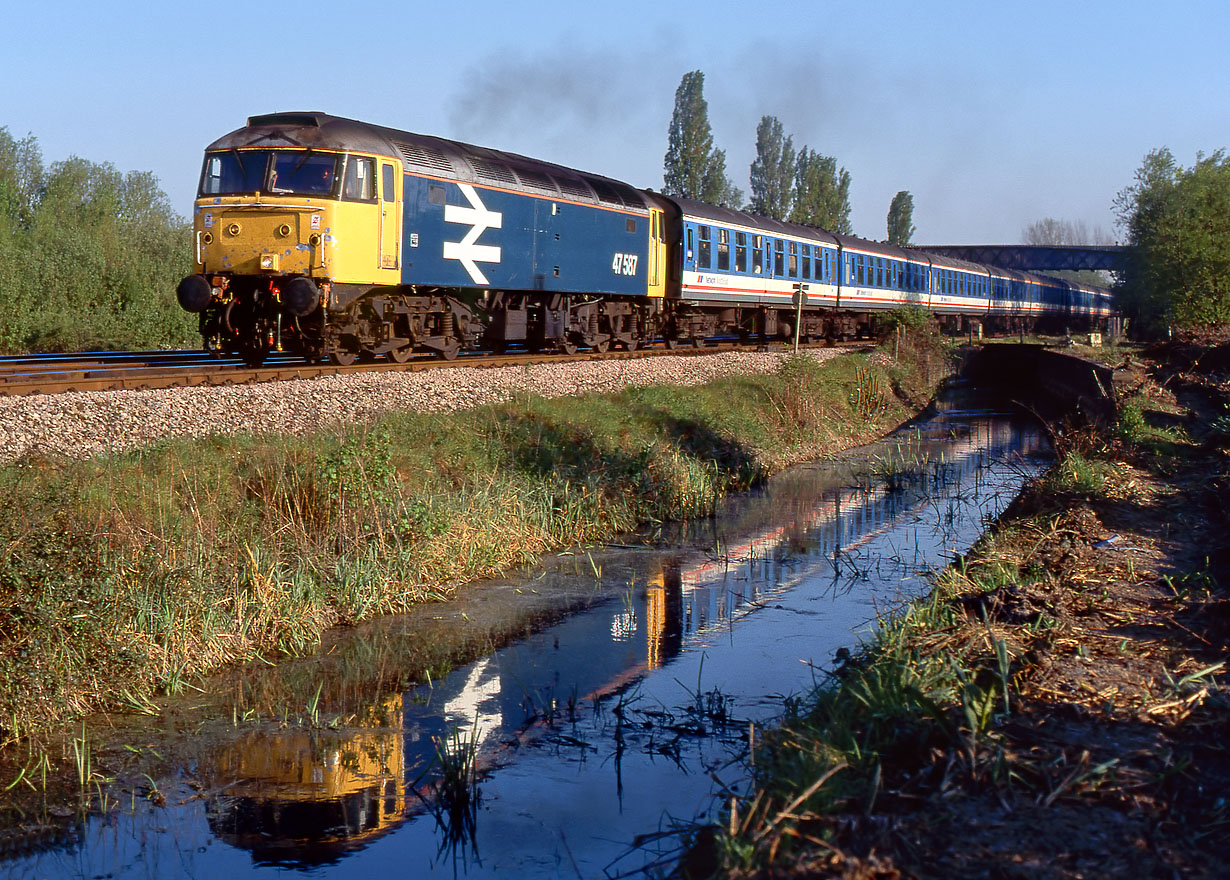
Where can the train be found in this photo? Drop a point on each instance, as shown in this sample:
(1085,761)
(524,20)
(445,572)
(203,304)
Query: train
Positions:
(338,240)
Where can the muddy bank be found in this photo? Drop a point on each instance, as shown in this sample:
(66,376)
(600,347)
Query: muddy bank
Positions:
(1057,708)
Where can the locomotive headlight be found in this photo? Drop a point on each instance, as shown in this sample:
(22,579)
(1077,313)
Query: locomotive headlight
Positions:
(269,262)
(284,230)
(233,229)
(314,239)
(207,238)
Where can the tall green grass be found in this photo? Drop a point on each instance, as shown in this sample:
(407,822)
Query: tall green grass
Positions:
(135,574)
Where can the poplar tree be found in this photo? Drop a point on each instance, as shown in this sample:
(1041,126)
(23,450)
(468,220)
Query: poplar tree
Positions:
(772,171)
(901,219)
(693,168)
(821,193)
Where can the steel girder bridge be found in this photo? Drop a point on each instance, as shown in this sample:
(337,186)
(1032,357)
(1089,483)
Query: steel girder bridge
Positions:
(1033,258)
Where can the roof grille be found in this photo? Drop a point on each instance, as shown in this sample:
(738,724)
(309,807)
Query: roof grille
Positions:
(576,188)
(494,171)
(537,180)
(606,193)
(425,156)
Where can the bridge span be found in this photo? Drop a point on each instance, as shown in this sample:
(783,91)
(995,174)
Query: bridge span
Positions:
(1035,258)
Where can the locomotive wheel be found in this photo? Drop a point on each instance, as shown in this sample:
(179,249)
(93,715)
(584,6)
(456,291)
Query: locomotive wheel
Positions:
(451,347)
(253,354)
(567,346)
(632,344)
(403,354)
(344,357)
(673,342)
(602,347)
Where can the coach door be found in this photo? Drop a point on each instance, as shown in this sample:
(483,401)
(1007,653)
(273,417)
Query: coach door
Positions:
(390,217)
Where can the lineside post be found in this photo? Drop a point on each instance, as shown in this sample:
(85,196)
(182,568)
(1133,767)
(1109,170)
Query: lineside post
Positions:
(800,297)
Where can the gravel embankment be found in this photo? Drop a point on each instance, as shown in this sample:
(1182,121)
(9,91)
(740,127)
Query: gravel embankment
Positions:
(85,424)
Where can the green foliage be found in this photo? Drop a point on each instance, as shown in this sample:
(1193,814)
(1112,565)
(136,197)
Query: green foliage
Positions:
(773,171)
(1076,473)
(821,193)
(692,167)
(1177,221)
(912,317)
(89,257)
(901,219)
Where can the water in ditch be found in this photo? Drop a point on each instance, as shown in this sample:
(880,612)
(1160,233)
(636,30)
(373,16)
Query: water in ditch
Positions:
(607,696)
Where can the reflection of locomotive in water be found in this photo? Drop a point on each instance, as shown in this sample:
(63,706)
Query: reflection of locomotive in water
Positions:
(307,797)
(334,238)
(303,797)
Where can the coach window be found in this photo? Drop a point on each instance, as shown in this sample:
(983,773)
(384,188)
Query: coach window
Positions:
(740,251)
(794,259)
(806,262)
(757,255)
(705,257)
(689,244)
(723,250)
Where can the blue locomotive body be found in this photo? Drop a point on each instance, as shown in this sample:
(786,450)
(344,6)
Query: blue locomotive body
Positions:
(460,235)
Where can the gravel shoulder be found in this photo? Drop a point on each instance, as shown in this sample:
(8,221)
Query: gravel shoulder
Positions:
(85,424)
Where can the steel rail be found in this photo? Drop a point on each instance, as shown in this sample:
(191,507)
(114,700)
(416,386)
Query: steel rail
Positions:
(94,371)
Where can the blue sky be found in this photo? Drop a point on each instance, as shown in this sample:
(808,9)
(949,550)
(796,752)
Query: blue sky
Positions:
(993,114)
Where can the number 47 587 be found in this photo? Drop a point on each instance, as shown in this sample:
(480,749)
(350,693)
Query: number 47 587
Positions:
(624,264)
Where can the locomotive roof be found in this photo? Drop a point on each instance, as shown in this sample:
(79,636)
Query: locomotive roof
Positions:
(432,157)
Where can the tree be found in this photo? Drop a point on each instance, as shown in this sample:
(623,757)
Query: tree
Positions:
(772,171)
(821,192)
(901,219)
(719,189)
(88,256)
(692,168)
(1177,225)
(1049,231)
(21,176)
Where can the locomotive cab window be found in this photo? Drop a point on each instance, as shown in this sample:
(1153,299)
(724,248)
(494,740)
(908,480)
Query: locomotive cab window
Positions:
(234,172)
(359,180)
(387,185)
(303,173)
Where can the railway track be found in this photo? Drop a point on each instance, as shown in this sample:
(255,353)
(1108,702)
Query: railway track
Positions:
(136,370)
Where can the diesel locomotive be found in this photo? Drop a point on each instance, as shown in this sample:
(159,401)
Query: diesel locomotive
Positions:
(336,239)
